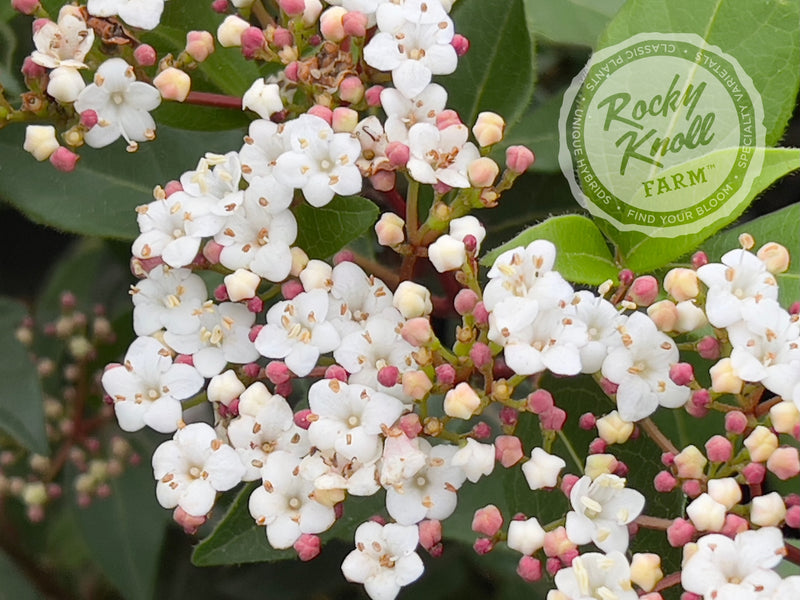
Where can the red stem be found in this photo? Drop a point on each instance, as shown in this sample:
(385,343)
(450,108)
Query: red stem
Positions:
(217,100)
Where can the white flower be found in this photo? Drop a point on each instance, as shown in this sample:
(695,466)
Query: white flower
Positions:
(369,133)
(350,418)
(601,512)
(430,492)
(297,332)
(192,467)
(722,568)
(144,14)
(263,98)
(440,154)
(265,425)
(542,469)
(384,559)
(475,459)
(602,320)
(121,104)
(285,503)
(403,113)
(595,576)
(356,296)
(167,298)
(222,337)
(147,388)
(413,42)
(321,163)
(333,473)
(741,275)
(264,143)
(640,367)
(402,457)
(448,253)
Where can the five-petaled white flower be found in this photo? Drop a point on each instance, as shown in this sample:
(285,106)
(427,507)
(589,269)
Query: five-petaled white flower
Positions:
(144,14)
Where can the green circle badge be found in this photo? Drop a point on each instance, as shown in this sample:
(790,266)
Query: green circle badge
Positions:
(661,134)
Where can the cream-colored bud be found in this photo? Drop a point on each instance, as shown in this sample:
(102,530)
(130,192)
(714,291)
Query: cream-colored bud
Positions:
(646,570)
(330,24)
(482,172)
(681,284)
(241,284)
(263,98)
(311,12)
(525,536)
(488,128)
(225,387)
(784,416)
(40,140)
(775,257)
(690,463)
(726,491)
(761,443)
(65,84)
(390,229)
(706,513)
(724,379)
(173,84)
(317,276)
(447,253)
(690,317)
(416,384)
(34,494)
(664,314)
(461,402)
(229,32)
(412,300)
(767,510)
(299,261)
(199,45)
(612,429)
(598,464)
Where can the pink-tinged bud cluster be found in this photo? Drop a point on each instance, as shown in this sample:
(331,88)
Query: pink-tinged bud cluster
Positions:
(64,159)
(487,520)
(735,422)
(508,450)
(680,533)
(529,568)
(199,45)
(292,8)
(173,84)
(709,348)
(430,536)
(145,55)
(351,89)
(26,7)
(519,159)
(664,482)
(461,44)
(644,290)
(699,259)
(719,449)
(308,546)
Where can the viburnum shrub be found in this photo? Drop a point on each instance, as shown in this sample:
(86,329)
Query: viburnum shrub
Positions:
(327,347)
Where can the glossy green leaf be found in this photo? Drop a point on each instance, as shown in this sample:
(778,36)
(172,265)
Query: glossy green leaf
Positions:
(570,21)
(763,36)
(124,532)
(324,231)
(100,196)
(501,52)
(538,130)
(781,227)
(582,252)
(15,586)
(642,253)
(21,413)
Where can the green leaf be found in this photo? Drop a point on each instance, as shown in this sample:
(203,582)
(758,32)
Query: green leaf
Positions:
(781,227)
(643,253)
(582,253)
(763,36)
(324,231)
(570,21)
(124,532)
(21,413)
(15,585)
(538,130)
(501,51)
(100,196)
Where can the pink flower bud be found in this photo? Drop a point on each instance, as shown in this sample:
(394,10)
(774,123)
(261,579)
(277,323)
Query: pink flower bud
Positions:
(482,172)
(735,422)
(508,450)
(761,443)
(519,159)
(323,112)
(430,534)
(664,482)
(252,41)
(189,523)
(199,45)
(540,401)
(734,524)
(398,154)
(416,384)
(410,424)
(556,542)
(794,309)
(301,418)
(784,462)
(488,129)
(691,596)
(220,6)
(254,331)
(351,89)
(724,377)
(701,399)
(64,160)
(417,332)
(373,95)
(330,24)
(587,421)
(483,546)
(481,431)
(277,372)
(229,32)
(292,8)
(26,7)
(508,416)
(221,293)
(692,488)
(754,473)
(481,314)
(709,348)
(529,568)
(173,84)
(553,419)
(664,314)
(446,118)
(355,24)
(291,71)
(255,305)
(719,449)
(792,517)
(337,372)
(445,374)
(680,533)
(487,520)
(388,376)
(644,290)
(462,401)
(609,387)
(681,373)
(31,70)
(344,120)
(383,181)
(597,446)
(291,288)
(553,566)
(211,250)
(460,43)
(568,481)
(681,284)
(465,301)
(308,547)
(481,355)
(145,55)
(699,259)
(282,37)
(284,389)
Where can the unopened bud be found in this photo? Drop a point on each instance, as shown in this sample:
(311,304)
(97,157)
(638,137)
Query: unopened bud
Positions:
(65,84)
(682,284)
(613,430)
(664,314)
(767,510)
(461,402)
(482,172)
(726,491)
(40,141)
(229,32)
(775,257)
(761,443)
(412,300)
(173,84)
(706,513)
(526,536)
(519,159)
(199,45)
(488,129)
(724,379)
(64,160)
(330,24)
(263,98)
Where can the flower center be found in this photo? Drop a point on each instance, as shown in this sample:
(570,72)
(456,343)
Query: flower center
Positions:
(118,98)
